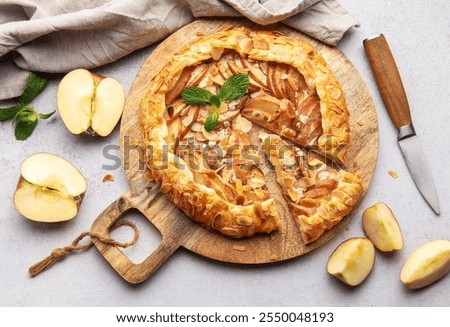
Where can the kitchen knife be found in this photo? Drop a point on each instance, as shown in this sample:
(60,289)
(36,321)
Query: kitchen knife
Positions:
(391,88)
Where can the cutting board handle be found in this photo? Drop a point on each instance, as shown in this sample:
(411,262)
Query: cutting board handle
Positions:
(130,271)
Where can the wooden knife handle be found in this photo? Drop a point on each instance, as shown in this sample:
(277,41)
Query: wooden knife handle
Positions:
(388,79)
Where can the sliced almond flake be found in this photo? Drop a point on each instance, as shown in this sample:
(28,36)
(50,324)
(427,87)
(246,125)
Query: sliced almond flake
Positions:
(213,70)
(308,203)
(246,45)
(322,68)
(335,93)
(203,112)
(238,185)
(337,132)
(263,66)
(284,76)
(187,120)
(212,136)
(223,107)
(293,194)
(196,127)
(239,248)
(203,48)
(242,124)
(273,257)
(309,68)
(323,175)
(256,182)
(200,137)
(260,193)
(261,43)
(393,174)
(287,180)
(244,220)
(359,122)
(303,119)
(288,160)
(337,120)
(216,52)
(185,111)
(263,135)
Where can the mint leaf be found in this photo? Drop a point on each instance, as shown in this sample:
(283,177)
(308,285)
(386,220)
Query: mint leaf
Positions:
(25,126)
(35,85)
(10,112)
(45,116)
(215,101)
(196,95)
(234,87)
(211,121)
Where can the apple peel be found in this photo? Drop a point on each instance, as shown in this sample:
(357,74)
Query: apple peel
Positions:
(382,228)
(426,265)
(352,261)
(50,189)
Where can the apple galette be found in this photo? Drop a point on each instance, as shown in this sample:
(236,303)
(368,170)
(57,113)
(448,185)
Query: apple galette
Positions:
(200,152)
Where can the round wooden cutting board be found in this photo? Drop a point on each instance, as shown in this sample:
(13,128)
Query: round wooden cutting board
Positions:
(177,229)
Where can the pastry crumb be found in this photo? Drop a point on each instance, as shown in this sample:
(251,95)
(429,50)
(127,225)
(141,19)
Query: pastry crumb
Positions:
(108,178)
(393,174)
(273,257)
(239,248)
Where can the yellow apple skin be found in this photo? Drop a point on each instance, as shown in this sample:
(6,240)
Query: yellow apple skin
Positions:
(426,265)
(352,261)
(382,228)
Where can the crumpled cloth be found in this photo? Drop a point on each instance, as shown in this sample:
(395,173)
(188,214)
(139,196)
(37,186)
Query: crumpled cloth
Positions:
(60,35)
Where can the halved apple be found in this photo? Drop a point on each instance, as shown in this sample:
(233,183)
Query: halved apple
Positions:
(382,228)
(50,188)
(352,261)
(427,264)
(90,103)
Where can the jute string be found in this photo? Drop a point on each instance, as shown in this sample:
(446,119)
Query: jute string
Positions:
(60,253)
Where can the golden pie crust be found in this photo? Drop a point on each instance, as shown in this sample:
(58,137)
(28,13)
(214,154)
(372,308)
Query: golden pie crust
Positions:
(292,92)
(319,196)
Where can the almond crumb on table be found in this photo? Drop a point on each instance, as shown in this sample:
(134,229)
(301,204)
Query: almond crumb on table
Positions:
(393,174)
(108,178)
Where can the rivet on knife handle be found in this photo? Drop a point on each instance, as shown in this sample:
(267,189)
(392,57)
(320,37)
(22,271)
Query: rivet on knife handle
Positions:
(388,79)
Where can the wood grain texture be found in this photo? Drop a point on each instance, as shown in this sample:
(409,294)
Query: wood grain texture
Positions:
(388,80)
(177,229)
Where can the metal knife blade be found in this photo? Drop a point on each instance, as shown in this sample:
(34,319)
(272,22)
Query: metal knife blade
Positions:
(394,97)
(418,168)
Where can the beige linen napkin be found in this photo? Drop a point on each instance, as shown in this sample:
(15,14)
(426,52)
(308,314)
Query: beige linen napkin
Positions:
(61,35)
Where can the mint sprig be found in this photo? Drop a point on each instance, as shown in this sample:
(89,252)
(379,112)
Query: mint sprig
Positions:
(23,115)
(233,88)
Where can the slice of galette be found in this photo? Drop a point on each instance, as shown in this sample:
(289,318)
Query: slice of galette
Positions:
(318,195)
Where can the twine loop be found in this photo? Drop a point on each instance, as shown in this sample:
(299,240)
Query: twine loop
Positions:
(60,253)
